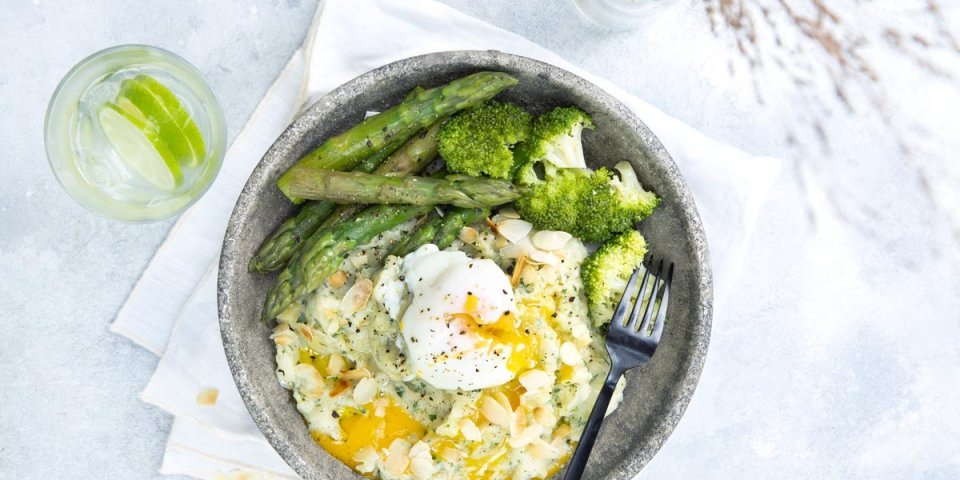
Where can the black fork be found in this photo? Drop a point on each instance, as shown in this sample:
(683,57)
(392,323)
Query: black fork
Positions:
(629,346)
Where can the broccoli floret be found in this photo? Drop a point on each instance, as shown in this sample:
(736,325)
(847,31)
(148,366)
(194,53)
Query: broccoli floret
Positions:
(592,205)
(605,273)
(555,141)
(478,141)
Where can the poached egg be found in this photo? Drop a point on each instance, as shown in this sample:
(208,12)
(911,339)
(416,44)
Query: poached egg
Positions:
(460,327)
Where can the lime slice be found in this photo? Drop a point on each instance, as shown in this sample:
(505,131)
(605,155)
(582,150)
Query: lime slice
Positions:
(161,106)
(140,145)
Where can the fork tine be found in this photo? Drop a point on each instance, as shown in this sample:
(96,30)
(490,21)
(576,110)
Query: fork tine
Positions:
(621,310)
(635,312)
(648,313)
(662,314)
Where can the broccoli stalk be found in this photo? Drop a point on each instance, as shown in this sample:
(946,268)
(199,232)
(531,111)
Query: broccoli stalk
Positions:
(478,141)
(605,273)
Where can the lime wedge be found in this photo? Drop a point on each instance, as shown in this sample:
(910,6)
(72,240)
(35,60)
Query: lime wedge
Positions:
(161,106)
(140,145)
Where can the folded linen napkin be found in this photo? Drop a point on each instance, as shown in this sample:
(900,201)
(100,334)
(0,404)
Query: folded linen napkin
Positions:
(172,310)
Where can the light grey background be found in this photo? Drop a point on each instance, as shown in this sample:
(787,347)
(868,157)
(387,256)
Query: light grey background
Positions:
(837,357)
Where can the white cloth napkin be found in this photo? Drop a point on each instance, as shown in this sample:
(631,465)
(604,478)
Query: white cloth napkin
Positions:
(172,310)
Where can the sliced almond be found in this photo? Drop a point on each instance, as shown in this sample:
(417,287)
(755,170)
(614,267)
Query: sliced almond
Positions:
(337,279)
(518,421)
(366,459)
(283,340)
(335,364)
(208,397)
(491,225)
(540,449)
(468,235)
(470,430)
(494,411)
(550,240)
(502,398)
(569,354)
(306,331)
(508,212)
(397,457)
(309,373)
(356,374)
(421,467)
(356,298)
(501,242)
(364,391)
(544,258)
(534,379)
(514,229)
(451,454)
(561,431)
(518,270)
(544,416)
(526,436)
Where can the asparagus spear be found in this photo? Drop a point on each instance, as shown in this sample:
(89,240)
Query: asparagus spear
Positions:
(343,151)
(327,251)
(423,235)
(277,250)
(421,150)
(354,187)
(284,242)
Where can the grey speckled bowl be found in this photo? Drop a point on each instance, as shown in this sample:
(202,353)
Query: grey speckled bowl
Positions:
(657,393)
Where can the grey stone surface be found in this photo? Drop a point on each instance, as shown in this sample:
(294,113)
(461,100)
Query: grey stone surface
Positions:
(836,357)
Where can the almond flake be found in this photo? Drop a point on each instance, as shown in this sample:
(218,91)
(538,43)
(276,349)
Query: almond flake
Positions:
(561,431)
(514,229)
(550,240)
(494,411)
(502,398)
(451,454)
(356,298)
(518,422)
(397,458)
(208,397)
(335,364)
(508,212)
(526,436)
(534,379)
(542,450)
(366,459)
(470,430)
(544,416)
(356,374)
(468,235)
(364,391)
(569,354)
(421,468)
(544,258)
(337,279)
(306,331)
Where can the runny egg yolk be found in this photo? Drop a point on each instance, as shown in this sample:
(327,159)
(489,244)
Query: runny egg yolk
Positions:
(507,330)
(362,428)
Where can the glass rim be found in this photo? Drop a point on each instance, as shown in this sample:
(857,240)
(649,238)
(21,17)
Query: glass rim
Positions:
(213,110)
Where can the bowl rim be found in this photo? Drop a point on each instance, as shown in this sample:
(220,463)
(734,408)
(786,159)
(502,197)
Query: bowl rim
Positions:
(700,327)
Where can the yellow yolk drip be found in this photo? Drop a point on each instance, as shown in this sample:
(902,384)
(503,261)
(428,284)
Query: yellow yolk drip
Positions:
(318,361)
(507,330)
(362,428)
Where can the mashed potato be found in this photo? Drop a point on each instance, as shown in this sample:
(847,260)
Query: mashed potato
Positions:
(344,360)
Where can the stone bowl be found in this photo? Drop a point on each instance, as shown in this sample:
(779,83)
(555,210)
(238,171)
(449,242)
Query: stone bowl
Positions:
(657,393)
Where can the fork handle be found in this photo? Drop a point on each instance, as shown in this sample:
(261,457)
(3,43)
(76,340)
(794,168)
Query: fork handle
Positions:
(579,460)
